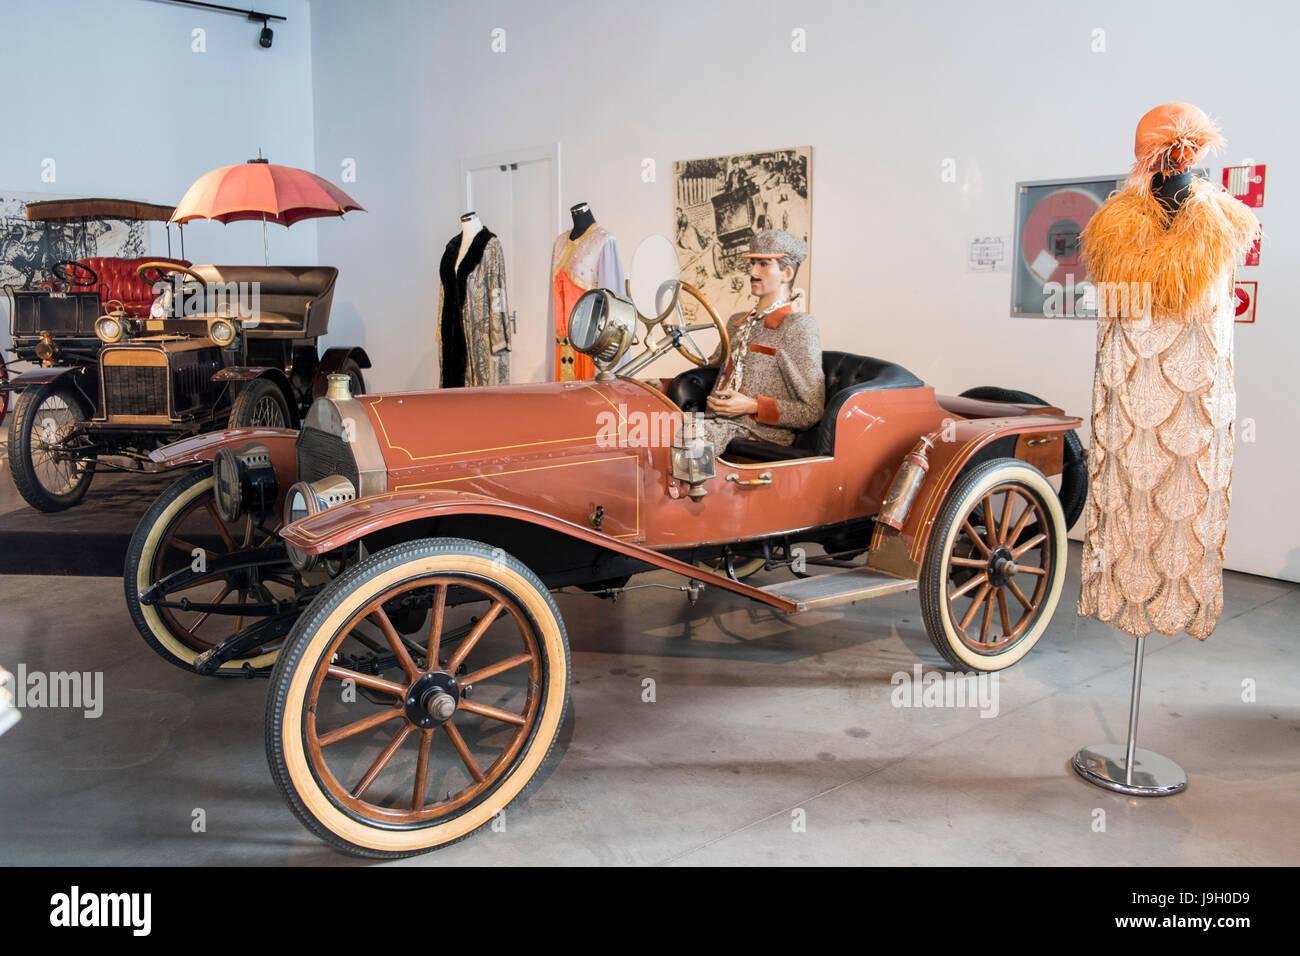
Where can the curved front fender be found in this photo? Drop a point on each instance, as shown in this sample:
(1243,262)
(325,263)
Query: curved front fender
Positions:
(345,523)
(191,451)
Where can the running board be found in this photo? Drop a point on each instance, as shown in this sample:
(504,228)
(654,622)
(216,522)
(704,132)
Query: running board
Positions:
(839,587)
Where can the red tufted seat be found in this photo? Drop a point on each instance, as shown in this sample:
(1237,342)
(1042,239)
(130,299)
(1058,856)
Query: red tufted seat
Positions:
(117,280)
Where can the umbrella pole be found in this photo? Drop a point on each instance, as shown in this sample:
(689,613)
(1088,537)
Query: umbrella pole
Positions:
(266,250)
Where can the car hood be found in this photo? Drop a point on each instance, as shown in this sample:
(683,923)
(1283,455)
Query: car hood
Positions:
(506,422)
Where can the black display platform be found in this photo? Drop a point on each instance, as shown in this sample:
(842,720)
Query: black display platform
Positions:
(90,539)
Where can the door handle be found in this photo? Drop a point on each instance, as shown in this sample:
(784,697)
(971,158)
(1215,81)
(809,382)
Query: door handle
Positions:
(764,479)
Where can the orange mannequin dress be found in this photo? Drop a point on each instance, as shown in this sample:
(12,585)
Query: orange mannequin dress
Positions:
(577,265)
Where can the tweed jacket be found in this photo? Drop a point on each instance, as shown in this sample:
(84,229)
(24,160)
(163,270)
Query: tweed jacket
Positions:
(781,370)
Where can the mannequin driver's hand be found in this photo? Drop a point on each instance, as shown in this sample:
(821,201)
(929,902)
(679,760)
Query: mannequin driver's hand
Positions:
(732,404)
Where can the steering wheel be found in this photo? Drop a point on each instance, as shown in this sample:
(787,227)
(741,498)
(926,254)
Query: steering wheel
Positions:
(76,274)
(686,344)
(153,272)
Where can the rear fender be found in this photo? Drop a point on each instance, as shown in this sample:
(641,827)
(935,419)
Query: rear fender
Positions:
(1039,441)
(331,362)
(240,375)
(418,510)
(203,448)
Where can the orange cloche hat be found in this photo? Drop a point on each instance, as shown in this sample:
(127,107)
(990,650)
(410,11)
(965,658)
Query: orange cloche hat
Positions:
(1172,138)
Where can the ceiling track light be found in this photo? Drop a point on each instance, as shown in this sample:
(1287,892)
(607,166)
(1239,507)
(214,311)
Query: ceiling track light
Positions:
(264,39)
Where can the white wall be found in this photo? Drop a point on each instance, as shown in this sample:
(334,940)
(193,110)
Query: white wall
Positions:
(885,92)
(113,92)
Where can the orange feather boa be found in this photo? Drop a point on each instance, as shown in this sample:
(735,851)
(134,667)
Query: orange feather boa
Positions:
(1133,239)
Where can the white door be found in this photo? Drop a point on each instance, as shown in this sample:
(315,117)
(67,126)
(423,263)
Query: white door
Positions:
(516,197)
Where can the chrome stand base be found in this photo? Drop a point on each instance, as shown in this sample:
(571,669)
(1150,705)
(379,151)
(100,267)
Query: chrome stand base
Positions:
(1105,765)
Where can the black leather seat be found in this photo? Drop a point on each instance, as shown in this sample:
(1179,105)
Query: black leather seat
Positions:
(846,375)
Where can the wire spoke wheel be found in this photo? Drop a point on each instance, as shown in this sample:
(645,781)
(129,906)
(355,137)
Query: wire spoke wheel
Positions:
(183,531)
(51,461)
(389,740)
(268,413)
(56,469)
(994,565)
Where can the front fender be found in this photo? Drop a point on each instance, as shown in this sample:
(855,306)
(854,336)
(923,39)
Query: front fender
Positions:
(82,377)
(345,523)
(203,448)
(901,552)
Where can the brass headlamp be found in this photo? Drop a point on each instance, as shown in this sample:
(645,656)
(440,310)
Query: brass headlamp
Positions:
(309,498)
(222,331)
(602,326)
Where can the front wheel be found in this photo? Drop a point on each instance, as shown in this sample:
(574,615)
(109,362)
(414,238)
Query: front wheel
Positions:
(994,566)
(182,529)
(385,745)
(48,470)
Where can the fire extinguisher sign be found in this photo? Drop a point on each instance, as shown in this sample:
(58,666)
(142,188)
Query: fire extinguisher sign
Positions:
(1246,294)
(1245,183)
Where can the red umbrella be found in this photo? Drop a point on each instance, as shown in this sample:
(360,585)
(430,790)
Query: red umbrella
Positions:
(260,190)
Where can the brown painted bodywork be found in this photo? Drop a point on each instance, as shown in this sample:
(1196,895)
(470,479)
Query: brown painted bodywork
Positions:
(563,449)
(336,527)
(203,448)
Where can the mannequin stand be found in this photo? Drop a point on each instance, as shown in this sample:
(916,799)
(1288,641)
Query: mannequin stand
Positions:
(1138,773)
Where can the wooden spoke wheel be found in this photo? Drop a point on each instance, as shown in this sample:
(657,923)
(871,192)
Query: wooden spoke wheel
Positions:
(387,744)
(994,566)
(183,529)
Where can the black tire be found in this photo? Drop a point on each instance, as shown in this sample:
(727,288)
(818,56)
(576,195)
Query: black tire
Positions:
(950,555)
(1074,466)
(4,394)
(46,413)
(351,369)
(744,568)
(164,630)
(298,707)
(260,403)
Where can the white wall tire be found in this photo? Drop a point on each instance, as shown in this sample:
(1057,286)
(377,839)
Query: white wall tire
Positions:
(1008,506)
(166,632)
(308,725)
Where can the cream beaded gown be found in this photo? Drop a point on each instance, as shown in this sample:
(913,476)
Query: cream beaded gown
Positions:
(1164,404)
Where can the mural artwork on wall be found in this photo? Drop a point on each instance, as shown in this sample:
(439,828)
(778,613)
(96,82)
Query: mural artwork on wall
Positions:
(722,202)
(28,249)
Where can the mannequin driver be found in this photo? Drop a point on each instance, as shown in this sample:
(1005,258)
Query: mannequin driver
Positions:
(772,384)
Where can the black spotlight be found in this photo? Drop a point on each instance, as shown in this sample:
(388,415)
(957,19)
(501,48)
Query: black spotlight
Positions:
(264,38)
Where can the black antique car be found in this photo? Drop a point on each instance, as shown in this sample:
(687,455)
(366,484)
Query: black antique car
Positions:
(221,346)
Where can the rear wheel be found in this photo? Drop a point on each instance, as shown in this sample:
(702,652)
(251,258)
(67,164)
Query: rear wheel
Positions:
(994,567)
(357,383)
(1074,468)
(387,746)
(48,471)
(260,403)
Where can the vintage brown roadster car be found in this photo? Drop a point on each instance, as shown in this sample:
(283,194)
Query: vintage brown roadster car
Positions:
(392,563)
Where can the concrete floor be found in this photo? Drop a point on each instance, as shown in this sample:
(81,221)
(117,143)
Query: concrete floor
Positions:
(756,717)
